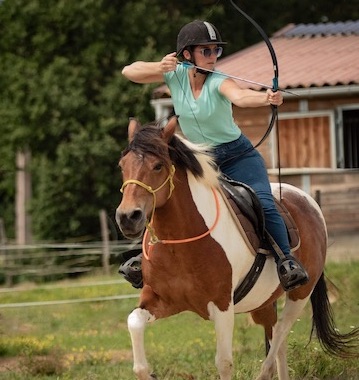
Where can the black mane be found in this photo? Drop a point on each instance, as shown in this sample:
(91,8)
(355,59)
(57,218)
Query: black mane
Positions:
(148,140)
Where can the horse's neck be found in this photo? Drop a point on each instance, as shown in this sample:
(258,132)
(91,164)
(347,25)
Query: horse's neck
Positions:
(194,210)
(184,213)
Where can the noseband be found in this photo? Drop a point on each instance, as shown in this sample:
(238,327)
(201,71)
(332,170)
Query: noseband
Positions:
(149,188)
(154,238)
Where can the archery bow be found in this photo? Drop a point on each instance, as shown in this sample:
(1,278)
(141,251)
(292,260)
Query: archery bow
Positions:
(275,87)
(275,68)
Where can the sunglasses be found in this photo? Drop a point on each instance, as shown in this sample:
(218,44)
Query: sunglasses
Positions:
(207,52)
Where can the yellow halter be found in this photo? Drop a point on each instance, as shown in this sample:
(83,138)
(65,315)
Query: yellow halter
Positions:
(149,229)
(154,238)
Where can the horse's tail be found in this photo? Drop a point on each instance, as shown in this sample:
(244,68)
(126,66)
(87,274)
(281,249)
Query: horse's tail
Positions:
(342,345)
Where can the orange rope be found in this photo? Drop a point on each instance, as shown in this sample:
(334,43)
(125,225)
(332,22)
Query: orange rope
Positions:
(187,240)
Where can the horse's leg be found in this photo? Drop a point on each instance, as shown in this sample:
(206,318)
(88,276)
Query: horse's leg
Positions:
(136,323)
(267,317)
(224,324)
(277,352)
(282,363)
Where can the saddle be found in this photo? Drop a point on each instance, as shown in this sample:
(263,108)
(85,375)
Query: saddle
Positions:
(248,214)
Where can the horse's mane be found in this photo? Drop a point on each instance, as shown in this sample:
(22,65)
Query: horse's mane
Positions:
(182,153)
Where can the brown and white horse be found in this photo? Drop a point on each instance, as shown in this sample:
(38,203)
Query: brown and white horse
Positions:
(194,256)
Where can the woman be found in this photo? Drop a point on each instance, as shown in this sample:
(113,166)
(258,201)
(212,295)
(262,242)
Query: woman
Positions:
(203,101)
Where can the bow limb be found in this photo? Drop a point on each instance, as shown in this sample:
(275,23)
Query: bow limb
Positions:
(266,40)
(275,67)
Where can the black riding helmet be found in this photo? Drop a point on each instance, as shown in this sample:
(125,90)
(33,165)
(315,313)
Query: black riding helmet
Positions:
(197,33)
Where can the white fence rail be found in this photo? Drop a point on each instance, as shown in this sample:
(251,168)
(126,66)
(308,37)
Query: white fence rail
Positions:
(47,261)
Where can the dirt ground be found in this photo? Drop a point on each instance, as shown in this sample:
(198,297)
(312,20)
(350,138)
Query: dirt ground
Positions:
(343,247)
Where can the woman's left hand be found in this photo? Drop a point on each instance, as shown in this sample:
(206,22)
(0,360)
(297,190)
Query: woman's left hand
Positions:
(274,98)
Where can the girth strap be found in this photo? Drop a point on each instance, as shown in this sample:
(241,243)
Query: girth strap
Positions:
(244,202)
(251,278)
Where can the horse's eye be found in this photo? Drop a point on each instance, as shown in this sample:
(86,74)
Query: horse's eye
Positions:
(158,167)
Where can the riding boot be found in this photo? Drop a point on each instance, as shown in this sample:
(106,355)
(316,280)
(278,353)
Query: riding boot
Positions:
(291,273)
(131,269)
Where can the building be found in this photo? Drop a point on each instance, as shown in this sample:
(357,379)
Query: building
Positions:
(316,140)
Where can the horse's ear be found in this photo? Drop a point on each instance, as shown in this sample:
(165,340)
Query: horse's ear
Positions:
(170,128)
(132,128)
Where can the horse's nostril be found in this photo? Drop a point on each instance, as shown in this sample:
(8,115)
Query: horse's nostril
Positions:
(135,215)
(127,218)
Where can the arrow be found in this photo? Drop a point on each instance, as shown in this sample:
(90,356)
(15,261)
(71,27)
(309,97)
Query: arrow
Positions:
(189,65)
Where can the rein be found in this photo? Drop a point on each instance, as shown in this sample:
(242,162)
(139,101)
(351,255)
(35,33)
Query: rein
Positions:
(154,239)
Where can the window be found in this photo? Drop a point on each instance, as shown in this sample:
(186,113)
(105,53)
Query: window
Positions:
(348,133)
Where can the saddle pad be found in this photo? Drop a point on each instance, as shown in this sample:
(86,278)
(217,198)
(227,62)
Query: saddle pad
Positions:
(246,227)
(293,232)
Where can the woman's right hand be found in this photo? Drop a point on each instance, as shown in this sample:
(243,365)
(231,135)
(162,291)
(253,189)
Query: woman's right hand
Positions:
(168,63)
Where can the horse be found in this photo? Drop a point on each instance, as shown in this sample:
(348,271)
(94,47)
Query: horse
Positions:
(194,255)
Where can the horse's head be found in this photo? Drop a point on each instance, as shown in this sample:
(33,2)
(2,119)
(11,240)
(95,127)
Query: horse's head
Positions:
(147,172)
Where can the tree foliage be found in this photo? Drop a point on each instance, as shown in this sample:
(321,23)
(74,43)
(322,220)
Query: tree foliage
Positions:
(63,96)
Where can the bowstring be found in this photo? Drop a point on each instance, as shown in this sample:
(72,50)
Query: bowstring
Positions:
(275,87)
(190,106)
(209,13)
(274,119)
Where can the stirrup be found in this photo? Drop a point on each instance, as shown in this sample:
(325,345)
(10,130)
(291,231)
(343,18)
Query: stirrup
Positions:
(131,270)
(291,273)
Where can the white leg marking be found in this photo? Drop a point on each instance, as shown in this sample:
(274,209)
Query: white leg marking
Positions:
(224,324)
(136,323)
(282,364)
(291,312)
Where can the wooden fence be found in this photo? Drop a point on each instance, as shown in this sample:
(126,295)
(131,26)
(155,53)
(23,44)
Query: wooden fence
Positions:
(340,207)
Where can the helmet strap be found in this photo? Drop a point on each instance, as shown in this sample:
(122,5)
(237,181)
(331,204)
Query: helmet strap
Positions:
(200,71)
(191,60)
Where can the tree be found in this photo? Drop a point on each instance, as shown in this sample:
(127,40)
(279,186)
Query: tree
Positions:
(60,99)
(63,97)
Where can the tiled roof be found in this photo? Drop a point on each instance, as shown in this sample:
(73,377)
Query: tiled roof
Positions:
(327,29)
(308,56)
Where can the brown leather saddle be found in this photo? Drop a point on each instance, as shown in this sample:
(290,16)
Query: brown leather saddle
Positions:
(247,212)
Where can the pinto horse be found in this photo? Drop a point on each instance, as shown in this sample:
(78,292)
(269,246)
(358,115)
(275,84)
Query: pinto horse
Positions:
(194,256)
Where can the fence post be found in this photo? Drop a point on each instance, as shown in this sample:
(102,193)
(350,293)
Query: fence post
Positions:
(23,197)
(105,242)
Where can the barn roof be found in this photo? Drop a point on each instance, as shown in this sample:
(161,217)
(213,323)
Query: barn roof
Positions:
(309,55)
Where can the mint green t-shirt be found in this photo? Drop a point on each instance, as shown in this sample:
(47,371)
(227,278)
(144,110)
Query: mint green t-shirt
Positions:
(207,119)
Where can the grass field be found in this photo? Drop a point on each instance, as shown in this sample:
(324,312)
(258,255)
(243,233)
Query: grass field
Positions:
(89,341)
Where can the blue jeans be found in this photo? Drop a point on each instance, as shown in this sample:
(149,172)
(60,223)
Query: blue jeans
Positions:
(250,169)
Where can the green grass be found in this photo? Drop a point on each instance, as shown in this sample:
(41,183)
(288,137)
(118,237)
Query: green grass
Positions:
(90,341)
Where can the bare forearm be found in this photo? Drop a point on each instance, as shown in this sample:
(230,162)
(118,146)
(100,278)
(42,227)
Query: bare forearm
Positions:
(150,72)
(251,98)
(143,72)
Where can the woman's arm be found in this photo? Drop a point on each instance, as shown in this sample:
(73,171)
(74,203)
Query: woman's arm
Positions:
(249,98)
(150,72)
